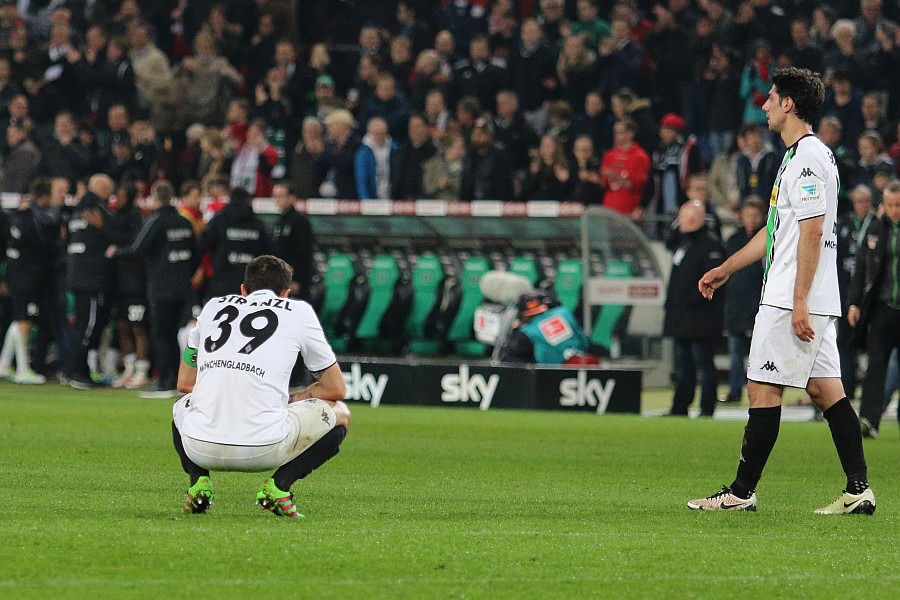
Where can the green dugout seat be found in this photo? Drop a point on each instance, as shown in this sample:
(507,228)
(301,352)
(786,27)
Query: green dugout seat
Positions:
(461,331)
(339,274)
(382,277)
(426,282)
(607,322)
(526,267)
(569,279)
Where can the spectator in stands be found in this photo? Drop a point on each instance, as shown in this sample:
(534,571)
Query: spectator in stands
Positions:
(225,36)
(442,173)
(595,121)
(624,172)
(844,56)
(758,165)
(486,171)
(477,76)
(401,63)
(426,77)
(722,178)
(18,115)
(871,156)
(214,161)
(851,231)
(552,20)
(468,110)
(575,70)
(445,47)
(293,240)
(823,20)
(8,87)
(254,161)
(152,71)
(258,57)
(114,131)
(412,27)
(625,105)
(389,104)
(742,298)
(339,180)
(874,116)
(559,123)
(803,53)
(549,176)
(668,43)
(844,101)
(532,73)
(305,169)
(436,113)
(407,170)
(755,82)
(65,155)
(513,132)
(208,80)
(233,238)
(723,82)
(619,58)
(830,133)
(589,22)
(20,160)
(372,163)
(363,90)
(586,173)
(693,323)
(674,161)
(869,24)
(285,62)
(59,65)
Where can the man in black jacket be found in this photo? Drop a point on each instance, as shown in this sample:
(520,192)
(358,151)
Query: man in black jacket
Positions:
(486,171)
(292,240)
(34,233)
(875,304)
(234,237)
(90,274)
(169,247)
(693,322)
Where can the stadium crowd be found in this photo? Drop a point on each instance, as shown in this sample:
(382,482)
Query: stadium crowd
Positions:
(619,103)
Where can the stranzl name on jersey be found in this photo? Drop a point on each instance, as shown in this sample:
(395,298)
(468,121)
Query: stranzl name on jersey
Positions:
(271,302)
(232,364)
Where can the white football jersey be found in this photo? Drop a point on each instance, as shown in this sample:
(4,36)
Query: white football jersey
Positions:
(806,187)
(246,349)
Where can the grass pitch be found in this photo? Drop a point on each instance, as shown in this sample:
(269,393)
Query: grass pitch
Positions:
(433,503)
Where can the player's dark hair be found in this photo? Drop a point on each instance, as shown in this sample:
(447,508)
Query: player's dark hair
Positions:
(804,87)
(268,272)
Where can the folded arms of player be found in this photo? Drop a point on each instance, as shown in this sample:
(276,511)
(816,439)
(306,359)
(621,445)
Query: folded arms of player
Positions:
(328,385)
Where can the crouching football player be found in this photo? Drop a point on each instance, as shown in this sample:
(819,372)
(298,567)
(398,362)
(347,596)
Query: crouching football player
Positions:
(237,413)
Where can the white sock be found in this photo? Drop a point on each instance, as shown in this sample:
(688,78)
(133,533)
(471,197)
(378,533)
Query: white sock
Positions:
(110,363)
(9,348)
(128,361)
(141,368)
(21,346)
(93,362)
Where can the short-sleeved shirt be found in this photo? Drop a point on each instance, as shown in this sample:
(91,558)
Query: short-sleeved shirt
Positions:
(246,349)
(806,187)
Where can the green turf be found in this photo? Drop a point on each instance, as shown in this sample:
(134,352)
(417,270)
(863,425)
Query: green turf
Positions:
(433,503)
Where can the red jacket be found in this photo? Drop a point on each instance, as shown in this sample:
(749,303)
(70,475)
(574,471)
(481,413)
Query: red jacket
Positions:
(624,174)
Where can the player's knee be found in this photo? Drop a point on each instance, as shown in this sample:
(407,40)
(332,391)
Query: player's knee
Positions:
(342,414)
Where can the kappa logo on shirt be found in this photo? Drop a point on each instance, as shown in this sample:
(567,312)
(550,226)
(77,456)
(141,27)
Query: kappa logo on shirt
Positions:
(807,173)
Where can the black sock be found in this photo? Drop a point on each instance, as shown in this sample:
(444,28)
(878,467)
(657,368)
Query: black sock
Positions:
(311,459)
(759,439)
(194,472)
(845,432)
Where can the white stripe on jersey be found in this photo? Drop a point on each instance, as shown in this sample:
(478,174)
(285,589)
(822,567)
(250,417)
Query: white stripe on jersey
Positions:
(806,187)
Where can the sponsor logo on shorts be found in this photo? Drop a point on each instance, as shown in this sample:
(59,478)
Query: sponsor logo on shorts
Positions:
(769,366)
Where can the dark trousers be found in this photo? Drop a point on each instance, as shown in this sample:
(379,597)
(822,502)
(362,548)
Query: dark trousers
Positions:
(91,316)
(848,355)
(883,336)
(166,317)
(692,356)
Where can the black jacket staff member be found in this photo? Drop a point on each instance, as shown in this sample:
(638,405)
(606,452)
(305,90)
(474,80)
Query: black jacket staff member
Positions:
(875,303)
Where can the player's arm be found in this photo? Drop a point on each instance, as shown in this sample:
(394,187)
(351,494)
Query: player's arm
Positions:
(807,262)
(752,251)
(187,371)
(328,385)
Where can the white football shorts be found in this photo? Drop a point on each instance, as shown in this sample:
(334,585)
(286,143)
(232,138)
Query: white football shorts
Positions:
(308,421)
(780,357)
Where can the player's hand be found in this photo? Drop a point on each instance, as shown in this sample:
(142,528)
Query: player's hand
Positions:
(711,281)
(800,322)
(853,316)
(110,251)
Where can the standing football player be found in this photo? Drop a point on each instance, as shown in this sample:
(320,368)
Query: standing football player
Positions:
(794,339)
